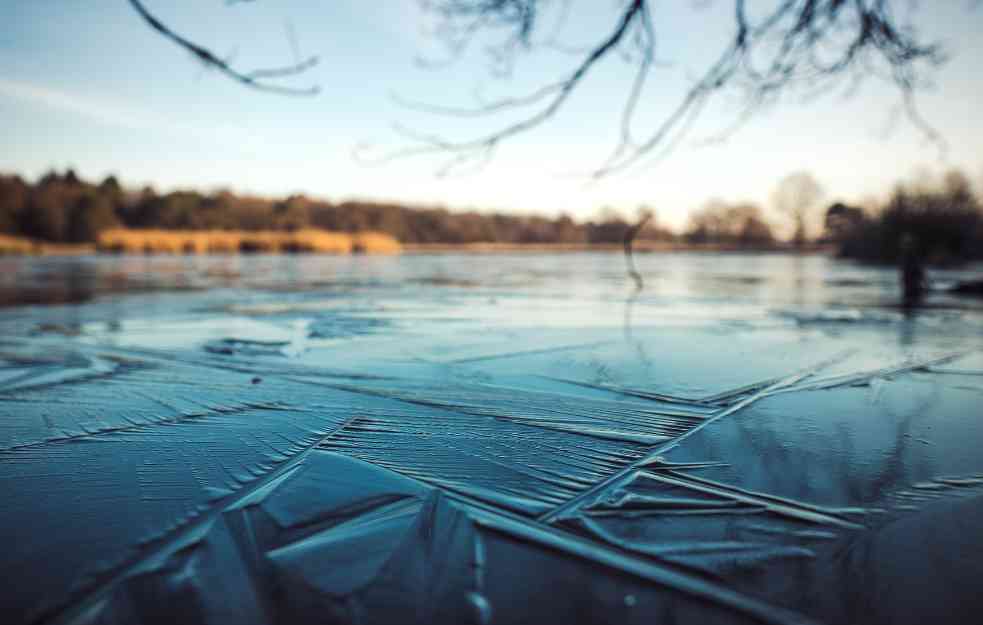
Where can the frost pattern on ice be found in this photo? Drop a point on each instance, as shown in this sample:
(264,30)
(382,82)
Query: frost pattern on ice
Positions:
(233,487)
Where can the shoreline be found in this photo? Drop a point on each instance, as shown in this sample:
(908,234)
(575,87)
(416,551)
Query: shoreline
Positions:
(20,246)
(639,247)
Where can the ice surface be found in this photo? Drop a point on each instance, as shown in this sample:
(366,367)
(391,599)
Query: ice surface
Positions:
(486,440)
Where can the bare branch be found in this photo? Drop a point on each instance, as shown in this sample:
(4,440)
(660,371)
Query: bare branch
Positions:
(485,109)
(559,91)
(801,44)
(256,79)
(805,45)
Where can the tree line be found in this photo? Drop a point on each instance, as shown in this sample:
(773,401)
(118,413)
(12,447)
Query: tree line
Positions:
(62,208)
(944,217)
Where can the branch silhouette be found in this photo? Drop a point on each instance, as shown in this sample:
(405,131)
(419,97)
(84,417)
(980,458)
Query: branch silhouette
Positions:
(256,79)
(796,44)
(810,44)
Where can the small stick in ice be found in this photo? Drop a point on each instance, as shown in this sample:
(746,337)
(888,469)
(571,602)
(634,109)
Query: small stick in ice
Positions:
(630,235)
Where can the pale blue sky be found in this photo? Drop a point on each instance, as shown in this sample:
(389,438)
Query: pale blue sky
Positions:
(85,83)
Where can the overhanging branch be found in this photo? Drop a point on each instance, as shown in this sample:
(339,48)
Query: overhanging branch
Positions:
(807,44)
(256,79)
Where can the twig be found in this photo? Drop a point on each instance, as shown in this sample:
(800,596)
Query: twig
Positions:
(812,44)
(256,79)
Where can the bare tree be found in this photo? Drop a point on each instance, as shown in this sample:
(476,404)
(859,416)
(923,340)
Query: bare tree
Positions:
(797,195)
(794,44)
(720,222)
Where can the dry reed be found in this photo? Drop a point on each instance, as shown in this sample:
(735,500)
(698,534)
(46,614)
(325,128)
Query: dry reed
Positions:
(308,240)
(23,246)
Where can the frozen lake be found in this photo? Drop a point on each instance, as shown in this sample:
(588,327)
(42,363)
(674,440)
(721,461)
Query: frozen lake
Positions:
(487,439)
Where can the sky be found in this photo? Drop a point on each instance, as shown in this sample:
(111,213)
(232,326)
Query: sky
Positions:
(86,84)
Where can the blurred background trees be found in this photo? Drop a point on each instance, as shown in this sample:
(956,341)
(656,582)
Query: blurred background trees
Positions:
(742,224)
(797,196)
(944,217)
(61,208)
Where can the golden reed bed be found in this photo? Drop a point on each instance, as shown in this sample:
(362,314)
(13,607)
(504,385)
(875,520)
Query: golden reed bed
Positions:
(124,241)
(309,240)
(22,246)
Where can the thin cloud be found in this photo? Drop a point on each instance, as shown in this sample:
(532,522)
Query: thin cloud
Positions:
(121,116)
(96,110)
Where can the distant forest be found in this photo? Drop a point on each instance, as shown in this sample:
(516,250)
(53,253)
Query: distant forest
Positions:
(62,208)
(944,218)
